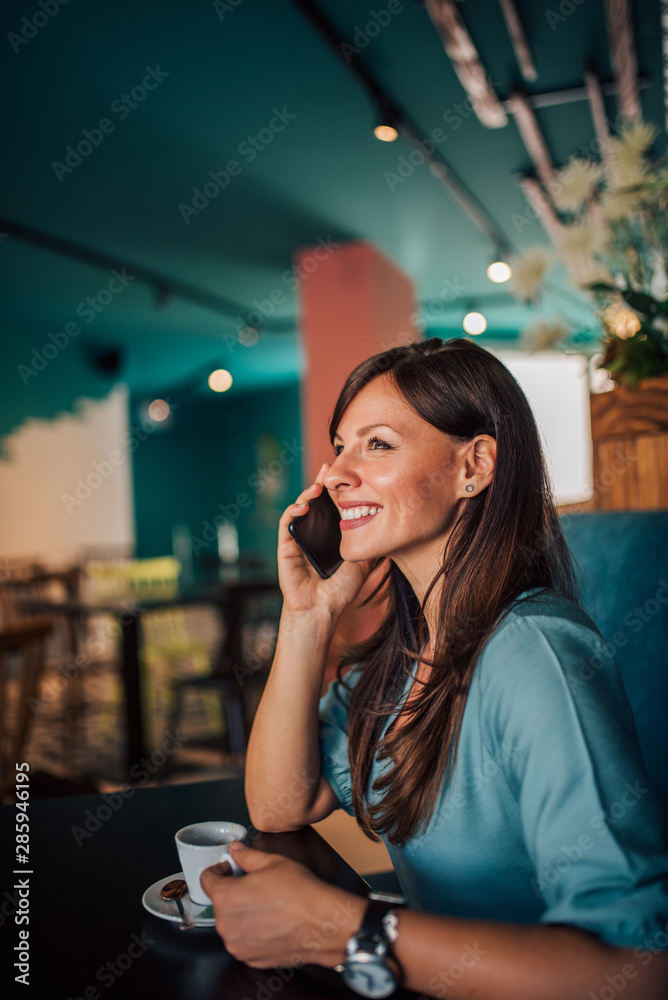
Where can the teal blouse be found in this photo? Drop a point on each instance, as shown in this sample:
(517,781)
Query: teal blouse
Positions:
(548,816)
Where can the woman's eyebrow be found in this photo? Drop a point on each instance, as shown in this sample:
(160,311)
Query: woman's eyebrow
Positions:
(369,427)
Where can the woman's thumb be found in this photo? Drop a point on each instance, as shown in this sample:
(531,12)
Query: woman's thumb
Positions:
(248,858)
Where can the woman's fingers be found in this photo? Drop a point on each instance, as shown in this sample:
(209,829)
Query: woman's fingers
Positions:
(266,917)
(300,506)
(311,492)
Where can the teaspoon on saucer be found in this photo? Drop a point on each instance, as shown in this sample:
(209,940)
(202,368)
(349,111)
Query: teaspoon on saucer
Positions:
(173,891)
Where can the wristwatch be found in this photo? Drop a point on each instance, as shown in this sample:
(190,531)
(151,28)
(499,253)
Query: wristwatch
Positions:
(369,967)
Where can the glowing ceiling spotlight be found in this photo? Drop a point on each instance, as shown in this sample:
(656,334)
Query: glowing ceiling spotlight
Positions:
(386,133)
(499,271)
(158,410)
(220,380)
(388,119)
(474,322)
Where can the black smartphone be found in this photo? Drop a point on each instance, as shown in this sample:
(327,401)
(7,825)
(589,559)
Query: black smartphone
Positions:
(318,534)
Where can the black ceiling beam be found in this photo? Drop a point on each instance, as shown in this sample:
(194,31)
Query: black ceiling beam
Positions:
(403,123)
(163,285)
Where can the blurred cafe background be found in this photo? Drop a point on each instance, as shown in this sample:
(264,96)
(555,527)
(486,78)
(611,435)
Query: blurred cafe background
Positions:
(210,213)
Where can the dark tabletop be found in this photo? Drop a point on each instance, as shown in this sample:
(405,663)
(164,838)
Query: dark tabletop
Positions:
(91,859)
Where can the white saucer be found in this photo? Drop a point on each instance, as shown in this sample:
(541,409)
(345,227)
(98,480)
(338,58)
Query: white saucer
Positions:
(201,916)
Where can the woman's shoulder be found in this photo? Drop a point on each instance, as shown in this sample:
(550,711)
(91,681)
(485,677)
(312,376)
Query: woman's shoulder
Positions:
(546,669)
(544,638)
(543,603)
(546,612)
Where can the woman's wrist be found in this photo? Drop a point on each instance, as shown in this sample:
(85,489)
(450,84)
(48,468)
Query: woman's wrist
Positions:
(339,919)
(314,622)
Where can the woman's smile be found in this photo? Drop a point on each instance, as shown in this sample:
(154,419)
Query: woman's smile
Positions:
(353,515)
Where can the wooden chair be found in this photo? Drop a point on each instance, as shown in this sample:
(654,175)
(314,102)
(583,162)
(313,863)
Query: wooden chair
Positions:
(169,650)
(28,640)
(251,611)
(60,640)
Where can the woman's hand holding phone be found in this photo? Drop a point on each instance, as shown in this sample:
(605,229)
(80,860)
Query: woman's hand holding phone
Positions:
(303,589)
(284,739)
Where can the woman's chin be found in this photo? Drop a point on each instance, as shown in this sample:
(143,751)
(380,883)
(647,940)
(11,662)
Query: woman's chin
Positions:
(360,552)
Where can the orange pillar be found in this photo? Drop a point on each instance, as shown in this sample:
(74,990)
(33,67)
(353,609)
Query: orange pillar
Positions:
(353,303)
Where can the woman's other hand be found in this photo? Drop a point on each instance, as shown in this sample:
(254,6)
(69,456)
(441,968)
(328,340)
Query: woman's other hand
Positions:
(278,913)
(303,589)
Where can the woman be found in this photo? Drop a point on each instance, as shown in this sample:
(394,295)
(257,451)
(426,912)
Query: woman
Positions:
(463,735)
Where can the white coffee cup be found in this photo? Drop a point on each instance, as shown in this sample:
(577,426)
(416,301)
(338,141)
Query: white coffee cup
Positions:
(201,845)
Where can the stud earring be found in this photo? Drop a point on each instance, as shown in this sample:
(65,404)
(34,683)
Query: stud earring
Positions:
(469,488)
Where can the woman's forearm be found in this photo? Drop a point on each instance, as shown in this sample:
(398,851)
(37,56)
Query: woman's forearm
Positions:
(283,785)
(499,961)
(461,958)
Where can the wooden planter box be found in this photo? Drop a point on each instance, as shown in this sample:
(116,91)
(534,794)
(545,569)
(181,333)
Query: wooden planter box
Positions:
(630,445)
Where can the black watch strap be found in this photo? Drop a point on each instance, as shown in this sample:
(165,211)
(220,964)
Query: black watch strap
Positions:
(372,928)
(370,968)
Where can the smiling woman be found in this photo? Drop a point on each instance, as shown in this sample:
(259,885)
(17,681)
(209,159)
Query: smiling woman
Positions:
(513,798)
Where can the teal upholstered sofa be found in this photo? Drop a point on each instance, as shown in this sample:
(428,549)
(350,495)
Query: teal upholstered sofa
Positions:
(622,564)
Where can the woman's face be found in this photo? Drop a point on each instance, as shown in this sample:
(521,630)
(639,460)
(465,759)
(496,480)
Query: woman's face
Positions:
(389,459)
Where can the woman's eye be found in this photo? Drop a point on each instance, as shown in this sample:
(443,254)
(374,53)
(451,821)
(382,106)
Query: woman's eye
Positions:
(374,443)
(377,441)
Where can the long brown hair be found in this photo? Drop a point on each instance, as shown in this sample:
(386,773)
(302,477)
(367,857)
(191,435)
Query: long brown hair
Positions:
(508,539)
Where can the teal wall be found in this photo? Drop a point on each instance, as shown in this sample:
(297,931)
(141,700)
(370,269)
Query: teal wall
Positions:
(219,455)
(33,386)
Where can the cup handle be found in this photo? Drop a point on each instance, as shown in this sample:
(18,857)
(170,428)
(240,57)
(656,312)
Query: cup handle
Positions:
(236,870)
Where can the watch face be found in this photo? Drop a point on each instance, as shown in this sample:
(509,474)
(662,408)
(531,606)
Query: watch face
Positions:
(369,978)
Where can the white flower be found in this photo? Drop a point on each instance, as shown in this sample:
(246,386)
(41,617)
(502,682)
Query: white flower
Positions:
(576,183)
(620,203)
(617,239)
(583,238)
(637,137)
(529,270)
(545,334)
(626,154)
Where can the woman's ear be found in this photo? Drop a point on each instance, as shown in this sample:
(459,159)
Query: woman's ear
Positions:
(479,464)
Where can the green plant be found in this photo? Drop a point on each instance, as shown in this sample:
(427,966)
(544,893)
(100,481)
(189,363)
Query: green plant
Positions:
(613,239)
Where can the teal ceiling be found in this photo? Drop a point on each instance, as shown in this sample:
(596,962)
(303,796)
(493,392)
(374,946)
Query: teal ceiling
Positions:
(219,78)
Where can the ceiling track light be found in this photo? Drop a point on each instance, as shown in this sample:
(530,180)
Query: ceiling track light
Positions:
(474,323)
(190,387)
(220,380)
(386,133)
(159,410)
(388,122)
(421,143)
(499,269)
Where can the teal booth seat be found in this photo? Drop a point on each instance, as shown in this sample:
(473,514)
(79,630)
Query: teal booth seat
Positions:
(622,564)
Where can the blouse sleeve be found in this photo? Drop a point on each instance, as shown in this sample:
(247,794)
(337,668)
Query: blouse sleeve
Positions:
(591,824)
(333,736)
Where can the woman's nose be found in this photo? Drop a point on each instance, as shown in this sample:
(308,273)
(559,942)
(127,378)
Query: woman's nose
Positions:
(341,473)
